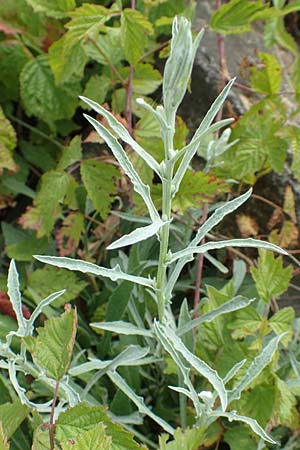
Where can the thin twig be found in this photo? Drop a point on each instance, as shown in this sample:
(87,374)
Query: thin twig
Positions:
(51,421)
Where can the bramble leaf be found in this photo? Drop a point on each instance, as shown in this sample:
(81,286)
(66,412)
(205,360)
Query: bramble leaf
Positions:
(96,89)
(70,154)
(99,181)
(93,439)
(11,416)
(135,29)
(8,142)
(13,57)
(53,347)
(270,277)
(189,439)
(52,8)
(268,79)
(4,445)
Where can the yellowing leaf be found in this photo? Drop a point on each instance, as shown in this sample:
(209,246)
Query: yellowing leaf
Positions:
(99,181)
(52,348)
(8,142)
(68,236)
(285,410)
(4,445)
(266,80)
(289,203)
(52,8)
(135,30)
(70,154)
(282,322)
(247,225)
(287,236)
(270,277)
(189,439)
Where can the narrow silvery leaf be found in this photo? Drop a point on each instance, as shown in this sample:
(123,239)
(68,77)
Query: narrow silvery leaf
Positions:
(218,265)
(130,356)
(121,327)
(121,131)
(159,117)
(137,235)
(256,367)
(223,244)
(181,390)
(13,290)
(138,401)
(184,321)
(234,304)
(200,366)
(232,415)
(87,267)
(233,371)
(120,154)
(179,64)
(208,225)
(38,310)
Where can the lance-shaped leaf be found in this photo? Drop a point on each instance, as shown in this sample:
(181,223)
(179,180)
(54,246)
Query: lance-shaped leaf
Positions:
(39,309)
(131,356)
(234,304)
(125,163)
(13,289)
(223,244)
(256,367)
(208,225)
(200,366)
(233,371)
(121,327)
(87,267)
(138,401)
(191,149)
(179,65)
(138,235)
(52,348)
(123,134)
(232,415)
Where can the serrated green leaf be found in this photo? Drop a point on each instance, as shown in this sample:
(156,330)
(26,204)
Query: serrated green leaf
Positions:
(49,279)
(68,236)
(146,79)
(266,80)
(86,21)
(67,63)
(135,29)
(82,418)
(70,154)
(96,89)
(258,403)
(94,439)
(13,57)
(285,405)
(41,97)
(236,16)
(8,142)
(246,323)
(189,439)
(11,416)
(99,181)
(52,8)
(106,48)
(270,277)
(53,347)
(41,440)
(87,267)
(240,437)
(4,445)
(282,322)
(46,207)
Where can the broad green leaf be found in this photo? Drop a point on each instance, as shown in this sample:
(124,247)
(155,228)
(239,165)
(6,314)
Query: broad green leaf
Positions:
(138,401)
(240,437)
(46,206)
(223,244)
(23,250)
(69,234)
(52,8)
(282,322)
(135,29)
(106,48)
(126,165)
(270,277)
(93,439)
(245,323)
(285,411)
(146,79)
(11,416)
(13,290)
(258,403)
(197,364)
(82,418)
(189,439)
(67,63)
(41,440)
(137,235)
(87,267)
(178,66)
(8,142)
(4,445)
(122,133)
(48,279)
(99,181)
(41,97)
(121,327)
(13,56)
(232,415)
(70,154)
(256,367)
(234,304)
(53,347)
(97,89)
(236,16)
(266,80)
(7,324)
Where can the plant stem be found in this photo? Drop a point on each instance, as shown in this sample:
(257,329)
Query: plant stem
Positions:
(128,107)
(200,267)
(51,421)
